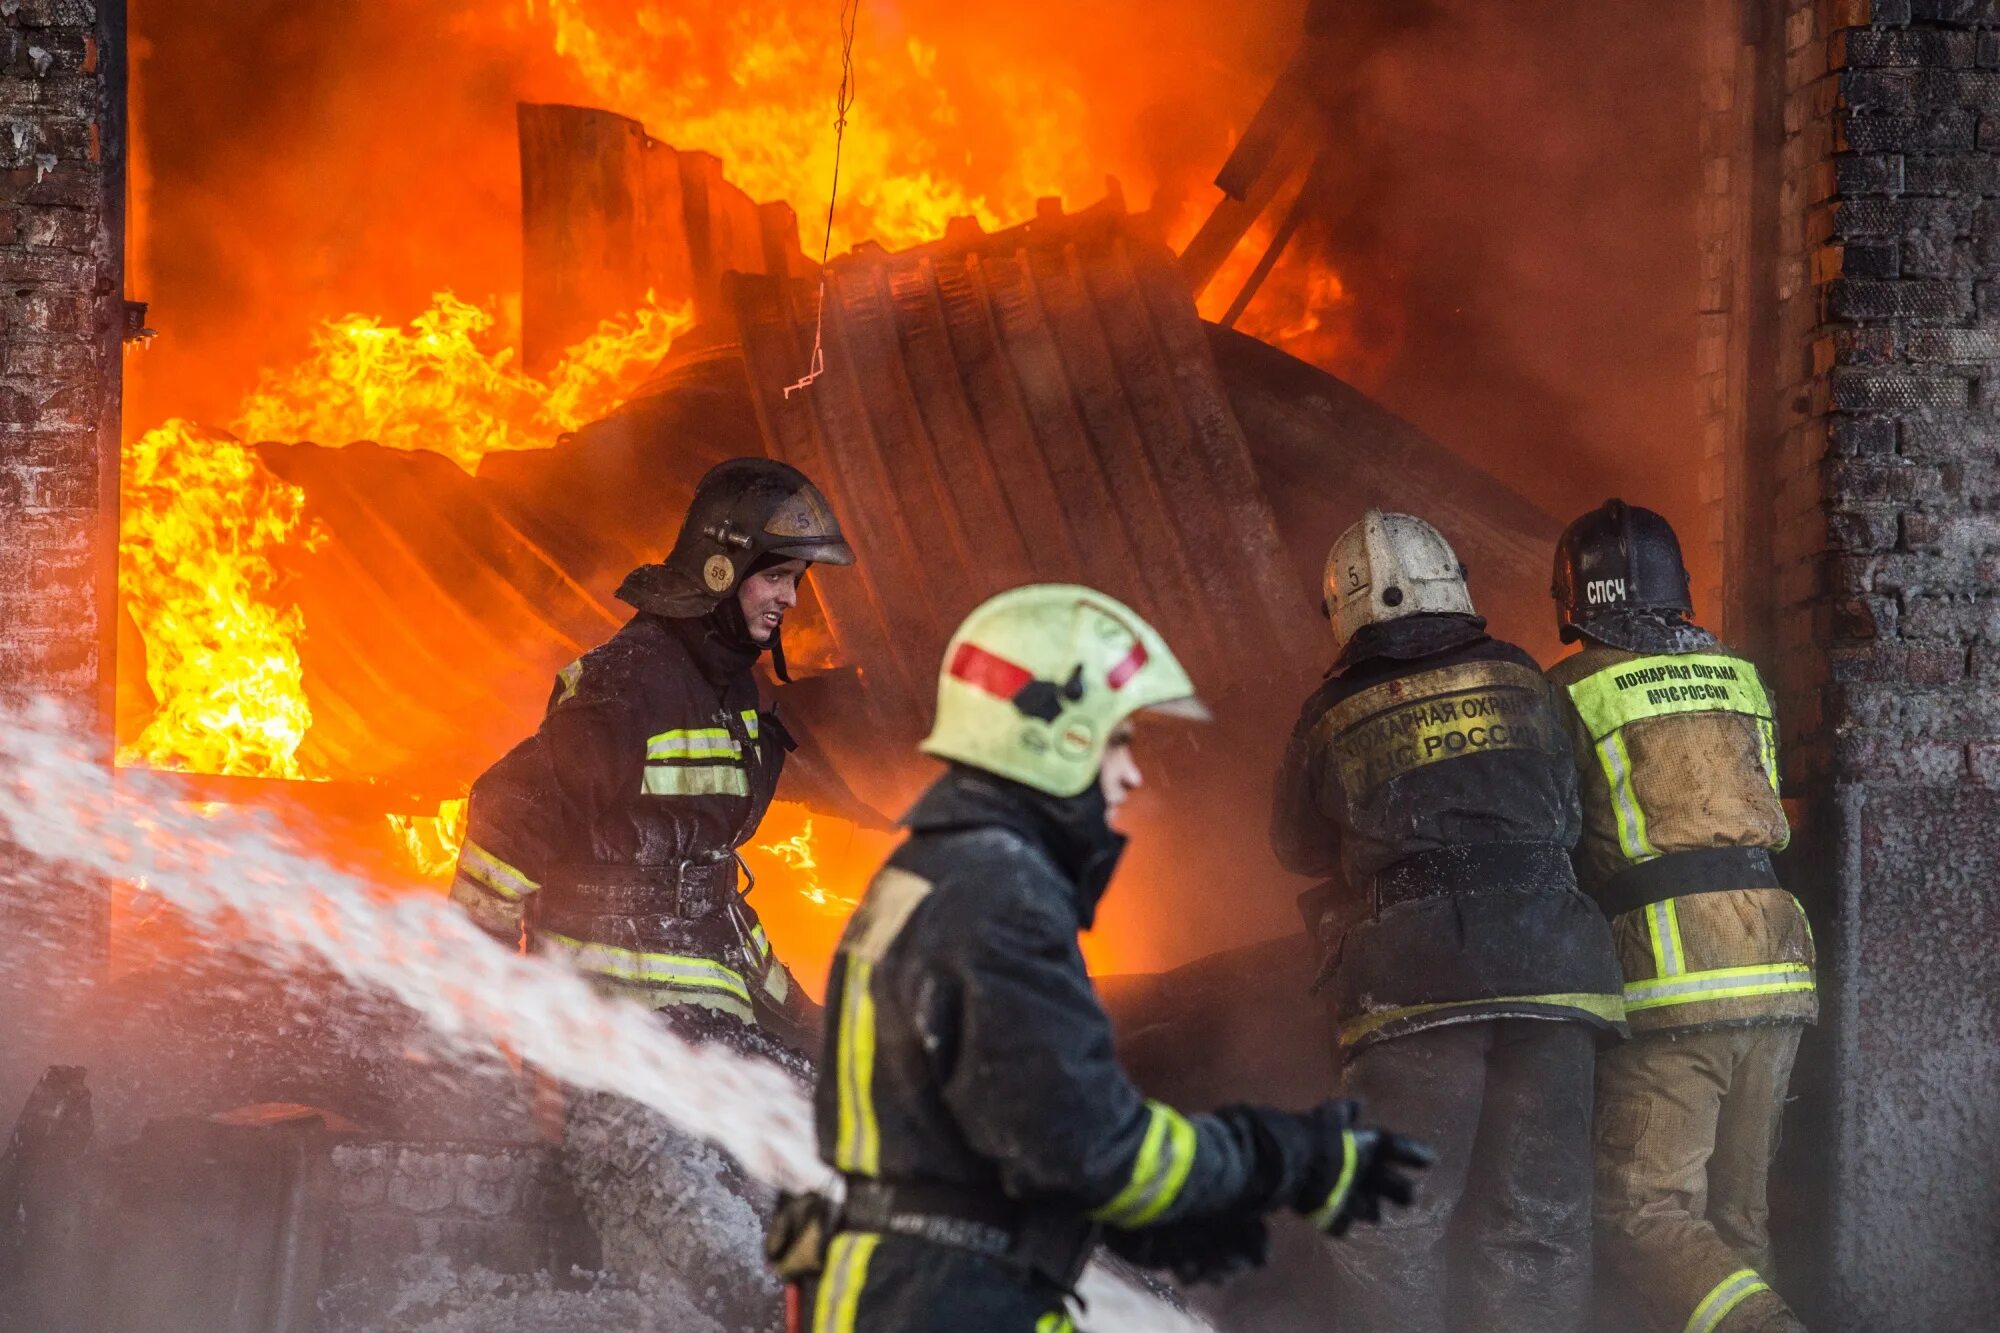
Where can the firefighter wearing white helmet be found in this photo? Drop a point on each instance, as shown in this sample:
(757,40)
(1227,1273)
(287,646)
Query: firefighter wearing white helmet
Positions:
(1429,784)
(968,1091)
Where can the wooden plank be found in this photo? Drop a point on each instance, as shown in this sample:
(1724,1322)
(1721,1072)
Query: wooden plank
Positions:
(601,225)
(1166,568)
(993,397)
(1229,604)
(1220,444)
(960,455)
(725,233)
(775,319)
(946,551)
(1110,560)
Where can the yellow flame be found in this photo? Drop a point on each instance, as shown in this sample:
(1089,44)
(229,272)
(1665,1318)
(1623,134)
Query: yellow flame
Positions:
(200,522)
(432,841)
(439,384)
(205,524)
(754,84)
(796,852)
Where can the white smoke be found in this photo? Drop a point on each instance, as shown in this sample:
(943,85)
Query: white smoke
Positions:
(238,872)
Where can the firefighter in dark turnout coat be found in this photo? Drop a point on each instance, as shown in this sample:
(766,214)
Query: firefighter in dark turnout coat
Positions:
(969,1093)
(1468,979)
(610,836)
(1676,748)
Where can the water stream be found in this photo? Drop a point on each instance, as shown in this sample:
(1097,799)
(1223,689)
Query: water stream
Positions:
(236,870)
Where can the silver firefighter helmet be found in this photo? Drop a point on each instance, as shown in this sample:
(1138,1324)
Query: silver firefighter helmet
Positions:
(1389,566)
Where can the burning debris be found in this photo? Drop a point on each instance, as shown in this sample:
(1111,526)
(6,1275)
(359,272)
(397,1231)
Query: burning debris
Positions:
(337,608)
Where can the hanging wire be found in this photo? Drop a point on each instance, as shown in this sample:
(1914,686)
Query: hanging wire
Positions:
(850,12)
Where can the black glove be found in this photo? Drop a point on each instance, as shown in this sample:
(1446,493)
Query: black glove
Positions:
(1209,1249)
(1323,1164)
(1369,1165)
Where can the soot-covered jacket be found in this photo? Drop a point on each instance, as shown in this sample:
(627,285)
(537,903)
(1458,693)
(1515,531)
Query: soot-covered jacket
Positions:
(965,1044)
(1676,743)
(1430,780)
(610,834)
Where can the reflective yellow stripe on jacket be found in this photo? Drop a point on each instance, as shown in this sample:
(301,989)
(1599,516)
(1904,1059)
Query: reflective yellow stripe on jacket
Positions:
(1610,700)
(858,1138)
(1166,1155)
(675,978)
(669,774)
(1672,982)
(840,1286)
(1607,1007)
(1725,1296)
(492,874)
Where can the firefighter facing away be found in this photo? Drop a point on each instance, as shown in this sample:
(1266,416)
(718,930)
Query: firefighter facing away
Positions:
(968,1092)
(609,837)
(1676,746)
(1469,981)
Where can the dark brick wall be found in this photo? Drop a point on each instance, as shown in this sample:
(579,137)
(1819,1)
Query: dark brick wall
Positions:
(1883,599)
(62,184)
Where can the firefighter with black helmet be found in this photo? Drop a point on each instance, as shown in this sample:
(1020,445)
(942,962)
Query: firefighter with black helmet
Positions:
(1469,982)
(609,837)
(1676,743)
(968,1093)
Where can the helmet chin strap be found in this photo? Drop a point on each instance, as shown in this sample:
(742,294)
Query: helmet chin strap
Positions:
(777,648)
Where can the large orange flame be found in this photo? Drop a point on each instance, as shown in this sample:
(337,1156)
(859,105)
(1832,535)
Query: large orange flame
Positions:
(755,84)
(203,519)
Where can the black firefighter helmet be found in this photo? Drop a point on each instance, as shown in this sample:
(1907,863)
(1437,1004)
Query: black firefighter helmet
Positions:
(745,511)
(1615,559)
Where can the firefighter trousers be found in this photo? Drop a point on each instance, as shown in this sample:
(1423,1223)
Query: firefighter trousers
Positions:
(1686,1127)
(1499,1238)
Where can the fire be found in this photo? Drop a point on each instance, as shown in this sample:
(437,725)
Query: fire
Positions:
(201,521)
(441,385)
(432,841)
(796,852)
(204,521)
(755,84)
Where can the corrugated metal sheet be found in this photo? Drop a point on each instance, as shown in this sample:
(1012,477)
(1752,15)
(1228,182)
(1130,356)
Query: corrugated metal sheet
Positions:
(1038,404)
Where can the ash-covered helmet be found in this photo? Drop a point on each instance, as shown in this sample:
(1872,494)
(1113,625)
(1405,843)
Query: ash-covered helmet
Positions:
(1036,680)
(1389,566)
(744,511)
(1614,559)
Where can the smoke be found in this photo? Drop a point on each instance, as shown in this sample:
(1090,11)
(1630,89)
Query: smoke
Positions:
(233,873)
(1511,209)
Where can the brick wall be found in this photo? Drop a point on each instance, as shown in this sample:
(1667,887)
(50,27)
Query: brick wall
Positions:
(61,325)
(62,113)
(1882,592)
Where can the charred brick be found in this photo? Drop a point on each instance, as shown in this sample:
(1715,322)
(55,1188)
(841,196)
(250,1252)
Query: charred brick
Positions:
(1929,48)
(1862,435)
(1950,131)
(1906,298)
(1876,391)
(1965,12)
(1874,173)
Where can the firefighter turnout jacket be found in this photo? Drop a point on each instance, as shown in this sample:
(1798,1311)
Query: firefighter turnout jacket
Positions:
(1678,752)
(609,837)
(1430,779)
(969,1062)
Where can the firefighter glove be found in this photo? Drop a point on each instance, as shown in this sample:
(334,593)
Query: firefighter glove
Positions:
(1364,1166)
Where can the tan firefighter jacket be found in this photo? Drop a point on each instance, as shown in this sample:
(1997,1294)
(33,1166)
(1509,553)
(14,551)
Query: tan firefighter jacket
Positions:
(1678,765)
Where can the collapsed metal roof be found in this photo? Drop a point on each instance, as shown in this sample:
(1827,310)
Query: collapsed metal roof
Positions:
(1039,404)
